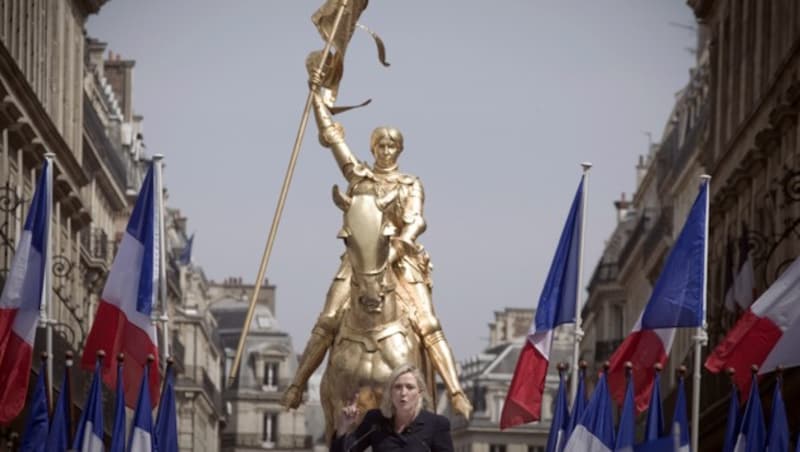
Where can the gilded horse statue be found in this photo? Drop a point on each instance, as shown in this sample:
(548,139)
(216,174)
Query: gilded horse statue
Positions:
(378,312)
(377,331)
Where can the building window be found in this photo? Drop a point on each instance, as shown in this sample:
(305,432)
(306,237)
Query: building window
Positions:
(497,448)
(270,376)
(269,434)
(617,327)
(479,398)
(498,408)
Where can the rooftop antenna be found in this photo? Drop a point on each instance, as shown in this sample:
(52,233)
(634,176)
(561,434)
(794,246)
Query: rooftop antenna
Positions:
(688,27)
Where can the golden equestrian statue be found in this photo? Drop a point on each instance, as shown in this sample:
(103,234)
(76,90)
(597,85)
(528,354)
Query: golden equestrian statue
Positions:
(378,312)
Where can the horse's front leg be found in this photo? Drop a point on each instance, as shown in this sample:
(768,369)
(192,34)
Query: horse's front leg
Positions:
(312,357)
(320,341)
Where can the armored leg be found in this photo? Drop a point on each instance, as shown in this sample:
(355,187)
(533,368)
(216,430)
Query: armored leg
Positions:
(438,349)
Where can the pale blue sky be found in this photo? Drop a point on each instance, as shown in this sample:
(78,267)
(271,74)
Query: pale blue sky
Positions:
(499,103)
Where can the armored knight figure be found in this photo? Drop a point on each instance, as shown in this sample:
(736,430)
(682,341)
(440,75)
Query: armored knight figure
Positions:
(407,259)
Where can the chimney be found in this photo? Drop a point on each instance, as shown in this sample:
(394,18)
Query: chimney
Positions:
(622,206)
(641,170)
(96,49)
(119,74)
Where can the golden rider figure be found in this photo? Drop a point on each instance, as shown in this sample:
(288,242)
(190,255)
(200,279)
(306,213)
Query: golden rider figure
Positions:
(409,260)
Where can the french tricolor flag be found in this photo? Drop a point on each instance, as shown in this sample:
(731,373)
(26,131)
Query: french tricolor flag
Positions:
(556,306)
(594,431)
(767,334)
(21,300)
(89,437)
(677,301)
(123,322)
(141,438)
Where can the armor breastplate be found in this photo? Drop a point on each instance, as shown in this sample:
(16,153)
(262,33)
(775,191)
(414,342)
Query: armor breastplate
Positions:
(386,182)
(371,337)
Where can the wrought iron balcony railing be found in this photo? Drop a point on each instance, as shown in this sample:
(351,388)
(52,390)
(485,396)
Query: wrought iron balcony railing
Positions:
(95,243)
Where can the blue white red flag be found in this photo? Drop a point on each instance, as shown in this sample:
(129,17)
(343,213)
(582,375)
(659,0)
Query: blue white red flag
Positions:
(118,430)
(556,306)
(778,432)
(680,420)
(89,437)
(752,436)
(741,291)
(167,420)
(141,438)
(34,437)
(732,425)
(595,429)
(61,424)
(21,300)
(677,301)
(654,426)
(557,437)
(579,404)
(626,431)
(123,321)
(766,335)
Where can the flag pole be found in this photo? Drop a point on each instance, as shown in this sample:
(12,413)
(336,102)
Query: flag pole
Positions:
(158,160)
(68,362)
(700,338)
(578,333)
(276,219)
(46,310)
(43,368)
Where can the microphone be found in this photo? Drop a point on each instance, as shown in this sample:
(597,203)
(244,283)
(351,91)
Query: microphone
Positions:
(361,438)
(427,448)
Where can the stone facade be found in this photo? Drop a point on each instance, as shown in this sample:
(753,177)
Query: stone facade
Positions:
(754,157)
(667,178)
(737,121)
(255,418)
(62,92)
(55,99)
(194,343)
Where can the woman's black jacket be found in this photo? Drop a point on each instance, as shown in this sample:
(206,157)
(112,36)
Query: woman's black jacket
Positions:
(428,432)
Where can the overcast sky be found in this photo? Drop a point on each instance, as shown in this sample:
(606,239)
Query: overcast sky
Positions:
(499,103)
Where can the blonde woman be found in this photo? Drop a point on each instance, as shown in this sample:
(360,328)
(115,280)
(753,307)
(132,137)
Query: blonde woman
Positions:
(401,423)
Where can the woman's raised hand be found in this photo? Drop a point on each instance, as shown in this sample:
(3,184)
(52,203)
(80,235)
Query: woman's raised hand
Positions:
(348,416)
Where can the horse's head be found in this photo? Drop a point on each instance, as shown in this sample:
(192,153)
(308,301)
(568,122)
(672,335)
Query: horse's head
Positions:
(367,233)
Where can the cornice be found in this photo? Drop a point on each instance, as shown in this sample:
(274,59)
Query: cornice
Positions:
(701,8)
(87,7)
(20,92)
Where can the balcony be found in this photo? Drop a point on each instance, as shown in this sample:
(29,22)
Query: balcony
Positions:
(197,378)
(662,229)
(212,391)
(604,349)
(605,272)
(665,159)
(94,244)
(691,142)
(178,351)
(255,440)
(642,226)
(108,154)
